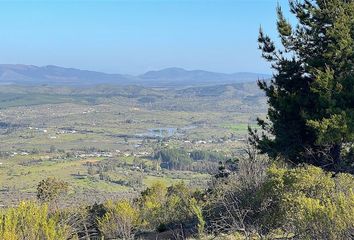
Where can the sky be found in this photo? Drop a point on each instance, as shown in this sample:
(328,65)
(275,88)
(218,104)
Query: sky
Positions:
(132,37)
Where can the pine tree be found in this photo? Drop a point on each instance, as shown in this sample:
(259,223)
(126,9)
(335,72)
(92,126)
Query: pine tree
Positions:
(310,117)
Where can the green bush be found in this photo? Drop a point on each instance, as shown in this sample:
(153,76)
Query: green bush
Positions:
(32,222)
(119,220)
(172,208)
(150,203)
(304,203)
(50,189)
(311,202)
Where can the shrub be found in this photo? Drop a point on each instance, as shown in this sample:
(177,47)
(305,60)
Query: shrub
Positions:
(314,203)
(304,202)
(50,189)
(119,220)
(150,204)
(32,222)
(174,208)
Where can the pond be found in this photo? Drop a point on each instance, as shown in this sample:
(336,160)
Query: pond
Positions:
(159,132)
(164,132)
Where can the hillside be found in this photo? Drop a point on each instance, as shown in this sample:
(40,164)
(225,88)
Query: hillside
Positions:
(170,77)
(54,75)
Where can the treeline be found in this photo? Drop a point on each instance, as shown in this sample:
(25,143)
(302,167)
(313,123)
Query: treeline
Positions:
(196,160)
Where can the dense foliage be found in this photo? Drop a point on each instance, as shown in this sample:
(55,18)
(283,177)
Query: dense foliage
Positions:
(180,159)
(173,158)
(119,220)
(50,189)
(300,203)
(33,222)
(311,96)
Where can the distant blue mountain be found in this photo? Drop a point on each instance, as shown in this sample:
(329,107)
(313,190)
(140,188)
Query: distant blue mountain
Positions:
(180,76)
(169,77)
(54,75)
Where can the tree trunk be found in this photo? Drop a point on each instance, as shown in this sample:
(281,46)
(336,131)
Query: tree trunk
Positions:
(335,154)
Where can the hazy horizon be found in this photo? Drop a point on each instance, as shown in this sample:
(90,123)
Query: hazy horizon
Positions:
(137,74)
(133,37)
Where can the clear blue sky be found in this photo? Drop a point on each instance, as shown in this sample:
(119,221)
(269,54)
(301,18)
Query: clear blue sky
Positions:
(136,36)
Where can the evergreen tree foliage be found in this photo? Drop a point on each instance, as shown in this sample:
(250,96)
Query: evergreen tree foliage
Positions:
(311,95)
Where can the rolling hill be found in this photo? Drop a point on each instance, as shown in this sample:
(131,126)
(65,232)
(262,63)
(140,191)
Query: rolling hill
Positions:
(169,77)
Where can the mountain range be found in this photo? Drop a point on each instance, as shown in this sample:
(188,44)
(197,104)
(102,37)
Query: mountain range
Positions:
(169,77)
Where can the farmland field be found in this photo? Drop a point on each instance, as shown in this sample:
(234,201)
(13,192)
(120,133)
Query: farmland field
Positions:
(102,141)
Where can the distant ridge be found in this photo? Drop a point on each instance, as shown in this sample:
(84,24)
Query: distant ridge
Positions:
(169,77)
(199,77)
(54,75)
